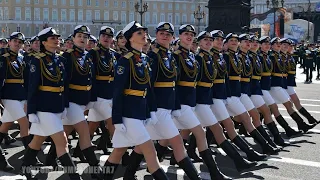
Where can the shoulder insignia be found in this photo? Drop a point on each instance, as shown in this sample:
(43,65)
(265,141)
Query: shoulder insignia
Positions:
(69,50)
(96,48)
(155,50)
(227,53)
(112,50)
(40,55)
(250,55)
(201,54)
(60,53)
(177,52)
(6,55)
(128,55)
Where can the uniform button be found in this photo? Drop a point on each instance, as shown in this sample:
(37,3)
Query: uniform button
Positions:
(61,79)
(60,94)
(60,71)
(88,79)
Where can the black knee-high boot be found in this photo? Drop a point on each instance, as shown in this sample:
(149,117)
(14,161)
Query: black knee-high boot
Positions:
(160,175)
(134,163)
(266,136)
(8,139)
(68,164)
(289,131)
(277,137)
(25,141)
(77,153)
(51,158)
(192,149)
(111,169)
(28,159)
(307,115)
(93,162)
(252,155)
(301,124)
(189,169)
(239,161)
(214,171)
(4,164)
(266,147)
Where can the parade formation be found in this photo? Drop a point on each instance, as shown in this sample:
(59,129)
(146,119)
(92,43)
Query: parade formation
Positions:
(173,94)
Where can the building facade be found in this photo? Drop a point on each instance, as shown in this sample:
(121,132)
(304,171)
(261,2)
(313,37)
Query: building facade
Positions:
(31,16)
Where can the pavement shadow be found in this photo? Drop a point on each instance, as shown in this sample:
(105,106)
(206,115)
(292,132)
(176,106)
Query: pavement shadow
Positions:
(302,141)
(249,175)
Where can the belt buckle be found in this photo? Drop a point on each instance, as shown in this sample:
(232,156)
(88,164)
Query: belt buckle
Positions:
(88,88)
(145,93)
(61,88)
(195,84)
(109,78)
(173,83)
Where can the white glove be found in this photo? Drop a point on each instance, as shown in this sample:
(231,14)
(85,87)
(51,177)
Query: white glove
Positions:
(33,118)
(64,114)
(153,120)
(90,105)
(176,113)
(121,127)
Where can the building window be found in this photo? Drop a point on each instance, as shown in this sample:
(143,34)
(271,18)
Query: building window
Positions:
(115,15)
(192,20)
(36,1)
(27,14)
(170,18)
(46,14)
(63,15)
(131,16)
(106,15)
(193,7)
(71,2)
(154,6)
(17,1)
(79,2)
(28,30)
(154,18)
(184,7)
(131,3)
(177,7)
(88,2)
(115,3)
(36,14)
(97,14)
(45,2)
(6,13)
(80,15)
(88,15)
(170,6)
(54,2)
(64,30)
(97,3)
(27,1)
(123,4)
(72,15)
(54,15)
(123,17)
(147,18)
(18,13)
(177,19)
(162,17)
(184,19)
(162,6)
(1,13)
(37,29)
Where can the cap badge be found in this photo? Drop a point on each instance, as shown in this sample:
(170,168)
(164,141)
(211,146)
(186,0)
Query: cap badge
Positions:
(108,30)
(83,28)
(166,26)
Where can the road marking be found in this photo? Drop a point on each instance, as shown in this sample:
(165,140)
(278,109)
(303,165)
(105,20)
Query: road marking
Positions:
(295,161)
(311,105)
(314,100)
(284,109)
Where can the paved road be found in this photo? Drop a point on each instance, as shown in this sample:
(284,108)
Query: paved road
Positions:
(299,161)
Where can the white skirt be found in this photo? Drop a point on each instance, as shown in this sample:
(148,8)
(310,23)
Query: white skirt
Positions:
(102,110)
(187,120)
(205,115)
(257,100)
(136,134)
(13,110)
(279,95)
(50,123)
(268,99)
(165,128)
(75,114)
(246,101)
(234,106)
(219,109)
(290,90)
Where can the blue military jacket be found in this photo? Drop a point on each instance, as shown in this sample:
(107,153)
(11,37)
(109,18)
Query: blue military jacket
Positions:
(12,69)
(27,60)
(46,89)
(284,58)
(207,75)
(278,72)
(133,96)
(79,80)
(187,77)
(103,60)
(219,89)
(164,76)
(256,73)
(267,68)
(234,68)
(291,67)
(246,72)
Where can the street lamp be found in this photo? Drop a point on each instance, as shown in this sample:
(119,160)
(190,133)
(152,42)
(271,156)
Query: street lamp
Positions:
(199,15)
(275,6)
(309,10)
(142,10)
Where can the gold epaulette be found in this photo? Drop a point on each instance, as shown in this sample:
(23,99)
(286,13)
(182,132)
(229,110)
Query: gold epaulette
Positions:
(250,55)
(96,48)
(69,50)
(271,54)
(60,53)
(6,55)
(112,50)
(155,50)
(201,55)
(177,52)
(128,55)
(227,53)
(39,55)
